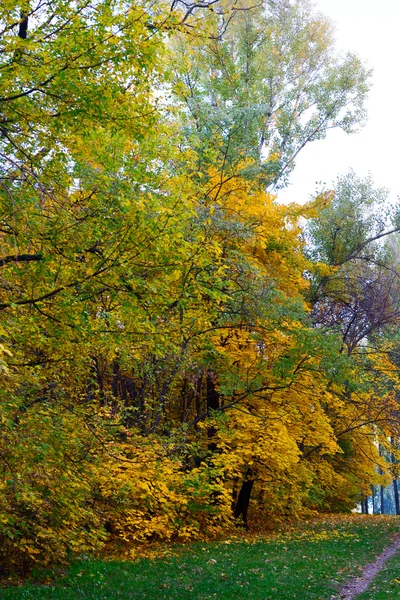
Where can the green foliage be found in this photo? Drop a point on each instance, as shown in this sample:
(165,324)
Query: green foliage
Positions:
(45,502)
(348,228)
(268,85)
(157,350)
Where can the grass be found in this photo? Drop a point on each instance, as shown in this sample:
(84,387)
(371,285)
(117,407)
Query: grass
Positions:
(387,583)
(309,562)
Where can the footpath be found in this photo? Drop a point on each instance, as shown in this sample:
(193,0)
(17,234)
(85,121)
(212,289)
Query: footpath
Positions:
(353,588)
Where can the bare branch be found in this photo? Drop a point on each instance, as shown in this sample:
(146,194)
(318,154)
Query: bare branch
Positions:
(20,258)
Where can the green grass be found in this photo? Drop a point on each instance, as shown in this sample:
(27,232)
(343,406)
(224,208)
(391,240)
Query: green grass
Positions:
(308,562)
(387,582)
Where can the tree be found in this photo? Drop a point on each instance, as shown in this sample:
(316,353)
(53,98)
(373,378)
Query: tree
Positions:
(88,208)
(158,356)
(357,296)
(268,85)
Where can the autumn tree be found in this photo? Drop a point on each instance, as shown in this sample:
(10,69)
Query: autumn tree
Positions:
(158,356)
(252,96)
(354,292)
(268,85)
(87,212)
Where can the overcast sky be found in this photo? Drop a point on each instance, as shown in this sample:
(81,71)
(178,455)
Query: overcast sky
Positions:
(371,30)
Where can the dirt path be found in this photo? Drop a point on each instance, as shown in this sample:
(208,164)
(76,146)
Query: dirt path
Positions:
(357,586)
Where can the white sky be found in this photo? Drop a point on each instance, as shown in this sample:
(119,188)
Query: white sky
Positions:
(371,30)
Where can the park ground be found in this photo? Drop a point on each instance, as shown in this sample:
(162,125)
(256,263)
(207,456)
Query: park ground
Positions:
(308,560)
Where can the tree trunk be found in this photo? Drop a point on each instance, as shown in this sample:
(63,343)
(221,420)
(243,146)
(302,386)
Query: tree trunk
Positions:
(395,485)
(23,25)
(212,404)
(115,378)
(198,390)
(381,486)
(396,496)
(364,505)
(243,501)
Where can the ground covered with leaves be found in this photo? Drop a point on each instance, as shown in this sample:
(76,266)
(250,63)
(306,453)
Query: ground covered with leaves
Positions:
(311,559)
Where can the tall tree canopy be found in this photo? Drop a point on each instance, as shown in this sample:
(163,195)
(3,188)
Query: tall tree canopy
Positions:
(267,85)
(168,349)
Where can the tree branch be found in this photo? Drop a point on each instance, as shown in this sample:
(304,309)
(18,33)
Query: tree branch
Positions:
(20,258)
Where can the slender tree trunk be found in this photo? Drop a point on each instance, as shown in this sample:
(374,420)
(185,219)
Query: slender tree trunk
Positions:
(115,378)
(212,404)
(396,496)
(99,379)
(199,385)
(243,500)
(364,505)
(395,484)
(381,488)
(23,25)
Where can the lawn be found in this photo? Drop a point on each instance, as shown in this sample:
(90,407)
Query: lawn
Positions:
(387,583)
(308,561)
